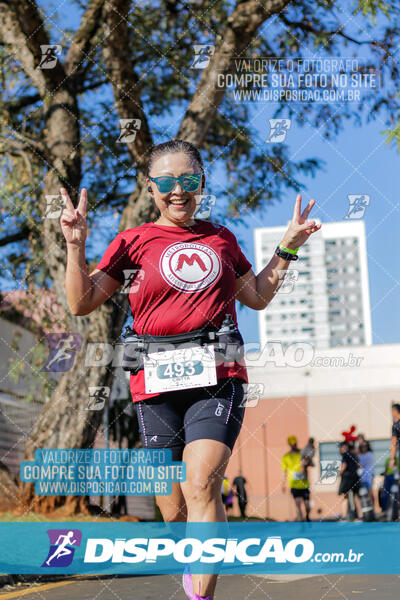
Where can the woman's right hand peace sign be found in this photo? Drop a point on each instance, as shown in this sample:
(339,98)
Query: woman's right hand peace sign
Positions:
(73,220)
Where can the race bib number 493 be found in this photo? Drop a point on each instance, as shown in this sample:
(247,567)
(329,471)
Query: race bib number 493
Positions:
(180,369)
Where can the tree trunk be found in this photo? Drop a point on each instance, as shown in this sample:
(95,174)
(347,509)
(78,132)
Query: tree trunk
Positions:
(64,422)
(8,487)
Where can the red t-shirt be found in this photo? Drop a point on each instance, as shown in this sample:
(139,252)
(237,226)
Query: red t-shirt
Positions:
(181,279)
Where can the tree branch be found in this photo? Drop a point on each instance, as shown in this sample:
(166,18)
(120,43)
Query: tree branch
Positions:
(23,102)
(239,31)
(22,234)
(13,147)
(83,37)
(22,28)
(21,153)
(309,28)
(91,86)
(29,99)
(28,141)
(123,78)
(16,42)
(29,145)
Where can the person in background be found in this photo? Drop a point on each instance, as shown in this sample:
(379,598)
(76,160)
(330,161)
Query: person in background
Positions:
(395,433)
(239,483)
(227,494)
(360,439)
(307,455)
(350,480)
(293,471)
(388,481)
(366,460)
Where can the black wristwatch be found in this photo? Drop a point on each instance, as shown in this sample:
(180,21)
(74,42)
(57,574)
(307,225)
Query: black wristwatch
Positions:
(285,255)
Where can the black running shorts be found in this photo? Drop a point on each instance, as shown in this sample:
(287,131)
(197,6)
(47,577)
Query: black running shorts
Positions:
(348,483)
(175,418)
(301,493)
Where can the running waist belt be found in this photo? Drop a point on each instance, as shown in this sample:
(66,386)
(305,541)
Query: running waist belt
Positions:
(227,342)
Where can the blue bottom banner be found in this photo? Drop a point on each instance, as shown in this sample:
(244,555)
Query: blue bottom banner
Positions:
(159,548)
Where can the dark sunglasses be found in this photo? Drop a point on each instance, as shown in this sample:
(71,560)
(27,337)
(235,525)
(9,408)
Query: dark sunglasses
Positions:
(167,183)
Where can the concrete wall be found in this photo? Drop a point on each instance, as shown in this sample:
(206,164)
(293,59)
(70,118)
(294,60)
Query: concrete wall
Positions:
(259,450)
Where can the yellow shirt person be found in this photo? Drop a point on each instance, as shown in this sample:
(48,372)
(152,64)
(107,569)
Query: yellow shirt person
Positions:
(291,463)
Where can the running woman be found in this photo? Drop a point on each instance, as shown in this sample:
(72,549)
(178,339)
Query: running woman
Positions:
(188,274)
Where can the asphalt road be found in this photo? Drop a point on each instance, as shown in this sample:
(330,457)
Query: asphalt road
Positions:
(229,587)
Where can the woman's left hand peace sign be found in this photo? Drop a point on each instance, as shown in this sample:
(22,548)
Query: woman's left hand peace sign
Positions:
(300,228)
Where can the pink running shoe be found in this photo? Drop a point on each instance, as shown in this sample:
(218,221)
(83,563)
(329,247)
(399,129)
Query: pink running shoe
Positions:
(187,583)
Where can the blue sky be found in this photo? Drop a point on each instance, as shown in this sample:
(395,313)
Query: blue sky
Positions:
(357,162)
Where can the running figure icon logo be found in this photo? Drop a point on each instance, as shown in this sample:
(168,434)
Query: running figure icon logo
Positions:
(49,56)
(97,397)
(63,347)
(278,130)
(55,206)
(203,53)
(357,206)
(132,280)
(62,542)
(129,129)
(190,267)
(329,471)
(204,204)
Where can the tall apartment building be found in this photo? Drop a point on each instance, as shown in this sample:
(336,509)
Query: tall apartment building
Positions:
(325,300)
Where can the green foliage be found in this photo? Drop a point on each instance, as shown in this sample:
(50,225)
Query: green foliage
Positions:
(374,7)
(393,135)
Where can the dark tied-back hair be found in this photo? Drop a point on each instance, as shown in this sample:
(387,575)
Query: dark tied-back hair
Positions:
(396,406)
(174,146)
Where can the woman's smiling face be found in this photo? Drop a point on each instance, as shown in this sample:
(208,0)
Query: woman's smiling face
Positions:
(178,206)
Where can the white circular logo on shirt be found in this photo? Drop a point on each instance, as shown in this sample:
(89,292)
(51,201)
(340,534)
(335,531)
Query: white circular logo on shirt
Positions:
(190,267)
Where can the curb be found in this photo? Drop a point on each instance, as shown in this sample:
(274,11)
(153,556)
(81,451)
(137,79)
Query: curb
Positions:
(9,579)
